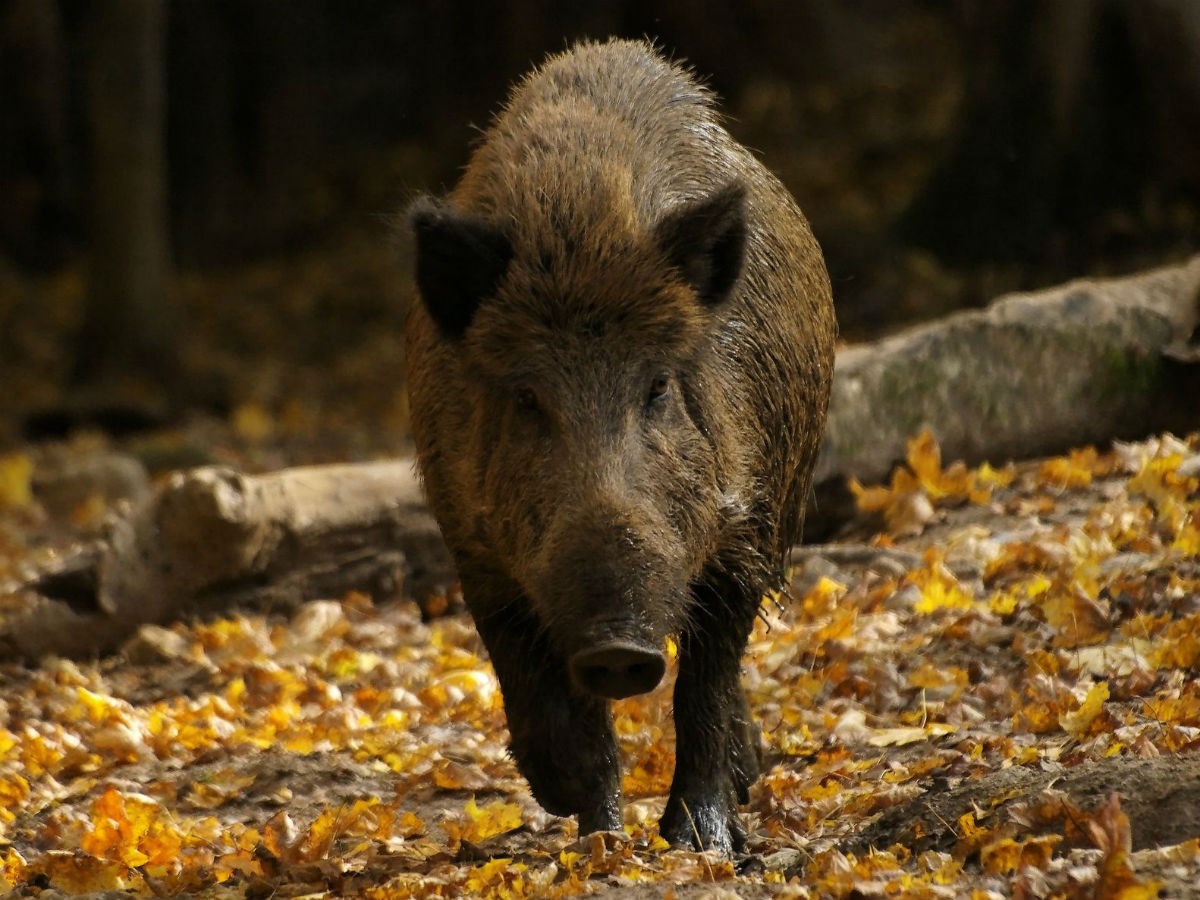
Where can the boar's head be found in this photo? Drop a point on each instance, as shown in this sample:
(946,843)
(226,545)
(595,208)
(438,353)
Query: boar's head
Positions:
(591,375)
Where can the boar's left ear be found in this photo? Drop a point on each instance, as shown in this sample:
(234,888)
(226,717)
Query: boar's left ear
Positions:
(460,261)
(706,240)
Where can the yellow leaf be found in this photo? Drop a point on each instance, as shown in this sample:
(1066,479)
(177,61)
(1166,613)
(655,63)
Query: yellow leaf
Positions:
(16,480)
(971,836)
(939,589)
(100,708)
(925,458)
(927,675)
(1036,586)
(1078,722)
(967,826)
(1071,609)
(484,822)
(1176,710)
(409,825)
(898,737)
(14,793)
(823,596)
(1187,541)
(500,877)
(131,829)
(1159,482)
(907,503)
(1178,647)
(1040,715)
(455,776)
(996,477)
(1110,831)
(671,649)
(1003,603)
(909,513)
(329,826)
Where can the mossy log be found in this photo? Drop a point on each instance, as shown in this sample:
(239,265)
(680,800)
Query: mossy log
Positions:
(1032,374)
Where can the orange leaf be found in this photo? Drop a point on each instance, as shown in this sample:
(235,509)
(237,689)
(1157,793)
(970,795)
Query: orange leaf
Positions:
(12,869)
(1109,830)
(1072,471)
(1006,855)
(281,837)
(75,873)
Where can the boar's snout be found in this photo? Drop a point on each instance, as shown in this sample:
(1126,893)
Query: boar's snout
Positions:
(618,669)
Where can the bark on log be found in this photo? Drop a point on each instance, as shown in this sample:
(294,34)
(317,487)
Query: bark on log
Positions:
(212,539)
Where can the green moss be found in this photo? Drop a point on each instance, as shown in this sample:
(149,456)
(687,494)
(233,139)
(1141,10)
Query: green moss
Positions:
(1130,374)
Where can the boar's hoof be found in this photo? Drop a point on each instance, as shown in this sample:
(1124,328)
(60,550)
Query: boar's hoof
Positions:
(708,823)
(618,669)
(604,817)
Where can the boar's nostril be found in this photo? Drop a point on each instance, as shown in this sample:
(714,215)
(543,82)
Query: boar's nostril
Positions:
(618,669)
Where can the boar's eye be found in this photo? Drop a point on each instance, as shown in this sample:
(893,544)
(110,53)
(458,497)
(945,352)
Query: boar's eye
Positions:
(527,400)
(659,388)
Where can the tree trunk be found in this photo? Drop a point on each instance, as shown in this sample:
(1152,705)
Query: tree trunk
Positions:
(34,146)
(131,323)
(1069,114)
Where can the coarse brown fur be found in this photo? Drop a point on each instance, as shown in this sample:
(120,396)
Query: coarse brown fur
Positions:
(618,378)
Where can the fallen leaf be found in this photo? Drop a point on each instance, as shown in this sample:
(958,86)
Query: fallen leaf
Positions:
(16,480)
(1080,721)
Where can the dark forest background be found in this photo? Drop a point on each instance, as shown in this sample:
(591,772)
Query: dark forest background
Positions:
(198,197)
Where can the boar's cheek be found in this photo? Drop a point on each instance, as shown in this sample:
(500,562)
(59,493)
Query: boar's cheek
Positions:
(460,261)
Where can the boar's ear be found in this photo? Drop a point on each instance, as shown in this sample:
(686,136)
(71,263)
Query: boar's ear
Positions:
(706,240)
(460,261)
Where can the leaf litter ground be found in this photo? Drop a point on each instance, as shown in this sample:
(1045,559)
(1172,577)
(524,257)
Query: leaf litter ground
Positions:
(986,690)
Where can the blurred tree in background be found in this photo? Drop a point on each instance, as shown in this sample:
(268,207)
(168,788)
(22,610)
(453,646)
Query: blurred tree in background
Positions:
(130,323)
(1072,110)
(233,164)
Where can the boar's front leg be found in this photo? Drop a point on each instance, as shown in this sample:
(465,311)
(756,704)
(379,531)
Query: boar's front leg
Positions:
(717,744)
(562,740)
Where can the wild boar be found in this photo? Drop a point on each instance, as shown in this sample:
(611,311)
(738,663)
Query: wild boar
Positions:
(618,371)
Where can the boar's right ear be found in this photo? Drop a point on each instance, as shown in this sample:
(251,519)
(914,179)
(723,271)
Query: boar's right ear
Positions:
(460,261)
(706,240)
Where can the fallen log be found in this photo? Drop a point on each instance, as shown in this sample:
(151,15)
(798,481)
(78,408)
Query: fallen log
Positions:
(212,539)
(1031,375)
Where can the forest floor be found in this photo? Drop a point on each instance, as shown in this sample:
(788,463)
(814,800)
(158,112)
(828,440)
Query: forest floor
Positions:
(986,688)
(950,698)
